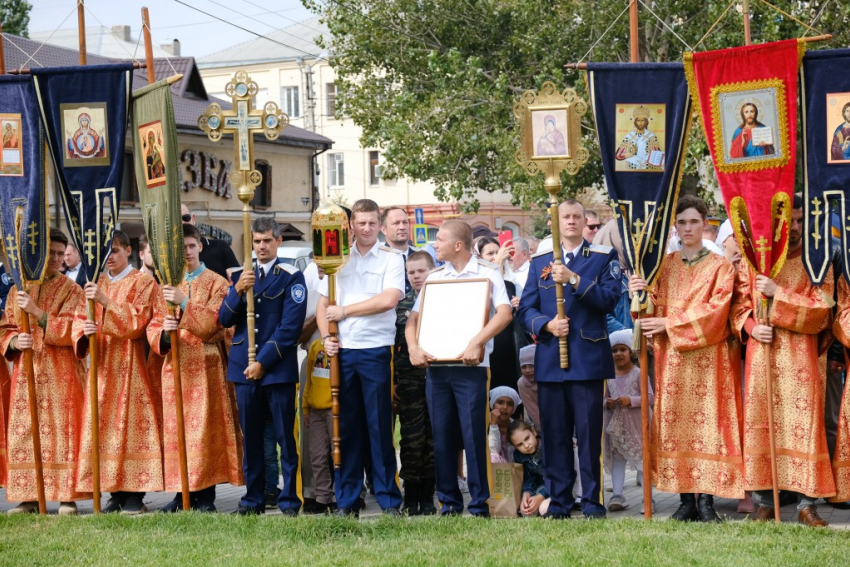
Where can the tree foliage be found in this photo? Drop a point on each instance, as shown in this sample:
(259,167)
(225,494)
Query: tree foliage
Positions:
(15,16)
(433,83)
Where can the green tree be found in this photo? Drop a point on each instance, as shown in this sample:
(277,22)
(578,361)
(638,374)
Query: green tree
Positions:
(15,16)
(433,83)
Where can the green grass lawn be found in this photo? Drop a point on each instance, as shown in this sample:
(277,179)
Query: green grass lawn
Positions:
(210,540)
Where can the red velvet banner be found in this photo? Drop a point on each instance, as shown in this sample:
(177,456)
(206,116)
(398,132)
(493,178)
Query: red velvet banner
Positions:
(748,101)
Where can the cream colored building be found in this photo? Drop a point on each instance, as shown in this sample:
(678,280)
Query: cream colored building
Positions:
(299,78)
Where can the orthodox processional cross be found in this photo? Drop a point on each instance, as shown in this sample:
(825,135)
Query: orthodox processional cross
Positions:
(243,121)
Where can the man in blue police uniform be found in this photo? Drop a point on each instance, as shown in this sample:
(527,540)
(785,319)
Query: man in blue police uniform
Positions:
(457,394)
(571,400)
(369,287)
(280,308)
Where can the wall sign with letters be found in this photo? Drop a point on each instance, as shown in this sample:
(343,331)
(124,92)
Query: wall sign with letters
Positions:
(207,172)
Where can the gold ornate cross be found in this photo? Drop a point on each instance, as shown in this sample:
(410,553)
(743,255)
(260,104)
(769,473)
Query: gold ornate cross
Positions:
(89,244)
(613,204)
(817,214)
(32,235)
(781,221)
(761,249)
(12,251)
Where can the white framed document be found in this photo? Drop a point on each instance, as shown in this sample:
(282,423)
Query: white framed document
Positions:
(451,313)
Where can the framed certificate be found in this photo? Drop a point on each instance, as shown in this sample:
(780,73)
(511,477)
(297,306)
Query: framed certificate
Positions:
(451,313)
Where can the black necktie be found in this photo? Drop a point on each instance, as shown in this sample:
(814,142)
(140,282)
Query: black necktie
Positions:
(262,274)
(570,256)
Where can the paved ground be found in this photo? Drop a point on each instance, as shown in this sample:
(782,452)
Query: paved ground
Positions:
(665,504)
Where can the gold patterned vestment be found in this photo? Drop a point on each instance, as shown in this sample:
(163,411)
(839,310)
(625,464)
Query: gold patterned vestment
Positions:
(841,459)
(798,312)
(696,440)
(130,444)
(213,437)
(59,380)
(4,412)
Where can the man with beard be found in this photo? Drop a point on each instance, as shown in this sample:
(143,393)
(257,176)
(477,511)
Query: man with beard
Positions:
(742,139)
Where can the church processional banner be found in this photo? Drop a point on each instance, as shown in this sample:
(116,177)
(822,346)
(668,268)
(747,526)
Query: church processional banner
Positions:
(158,178)
(84,111)
(748,102)
(826,153)
(642,114)
(23,192)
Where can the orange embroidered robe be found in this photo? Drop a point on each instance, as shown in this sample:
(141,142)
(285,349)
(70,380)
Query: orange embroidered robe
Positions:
(841,459)
(798,312)
(130,444)
(4,406)
(696,439)
(213,437)
(59,379)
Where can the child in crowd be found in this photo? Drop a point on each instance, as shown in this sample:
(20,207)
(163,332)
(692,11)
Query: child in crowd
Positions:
(527,386)
(622,426)
(316,409)
(503,402)
(526,442)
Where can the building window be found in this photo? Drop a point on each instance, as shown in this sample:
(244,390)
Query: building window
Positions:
(374,168)
(336,170)
(432,234)
(290,102)
(129,192)
(263,191)
(330,97)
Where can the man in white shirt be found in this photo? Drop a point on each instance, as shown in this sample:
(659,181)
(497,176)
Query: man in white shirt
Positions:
(519,264)
(457,394)
(74,265)
(368,289)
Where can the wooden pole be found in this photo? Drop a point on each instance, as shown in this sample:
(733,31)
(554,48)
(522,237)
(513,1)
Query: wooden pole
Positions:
(634,46)
(2,53)
(146,32)
(770,421)
(81,27)
(644,426)
(745,12)
(247,249)
(36,431)
(91,312)
(552,184)
(333,330)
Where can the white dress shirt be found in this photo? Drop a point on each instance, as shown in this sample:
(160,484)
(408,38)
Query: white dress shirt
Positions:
(362,278)
(74,272)
(121,275)
(475,268)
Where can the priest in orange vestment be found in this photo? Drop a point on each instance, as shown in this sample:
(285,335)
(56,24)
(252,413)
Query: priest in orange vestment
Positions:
(130,443)
(696,438)
(52,307)
(789,342)
(841,457)
(213,437)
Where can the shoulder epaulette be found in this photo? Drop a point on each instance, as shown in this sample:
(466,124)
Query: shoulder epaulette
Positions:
(487,264)
(287,267)
(437,269)
(388,249)
(544,253)
(239,269)
(601,248)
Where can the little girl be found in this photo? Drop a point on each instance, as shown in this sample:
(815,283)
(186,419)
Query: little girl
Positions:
(503,403)
(622,426)
(535,497)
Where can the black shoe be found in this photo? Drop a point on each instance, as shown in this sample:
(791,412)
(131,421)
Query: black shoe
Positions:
(247,511)
(596,516)
(555,516)
(290,512)
(449,513)
(705,509)
(346,513)
(204,506)
(426,499)
(687,512)
(484,514)
(271,500)
(787,497)
(840,505)
(133,505)
(361,503)
(314,508)
(114,503)
(391,512)
(411,498)
(174,506)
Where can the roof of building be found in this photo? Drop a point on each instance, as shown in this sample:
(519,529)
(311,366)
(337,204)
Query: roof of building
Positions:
(189,96)
(298,40)
(115,42)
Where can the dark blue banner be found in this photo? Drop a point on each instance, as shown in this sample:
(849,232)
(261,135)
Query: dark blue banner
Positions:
(85,112)
(825,90)
(642,113)
(23,193)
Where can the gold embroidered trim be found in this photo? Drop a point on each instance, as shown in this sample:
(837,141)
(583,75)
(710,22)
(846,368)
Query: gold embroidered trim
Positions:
(691,77)
(780,205)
